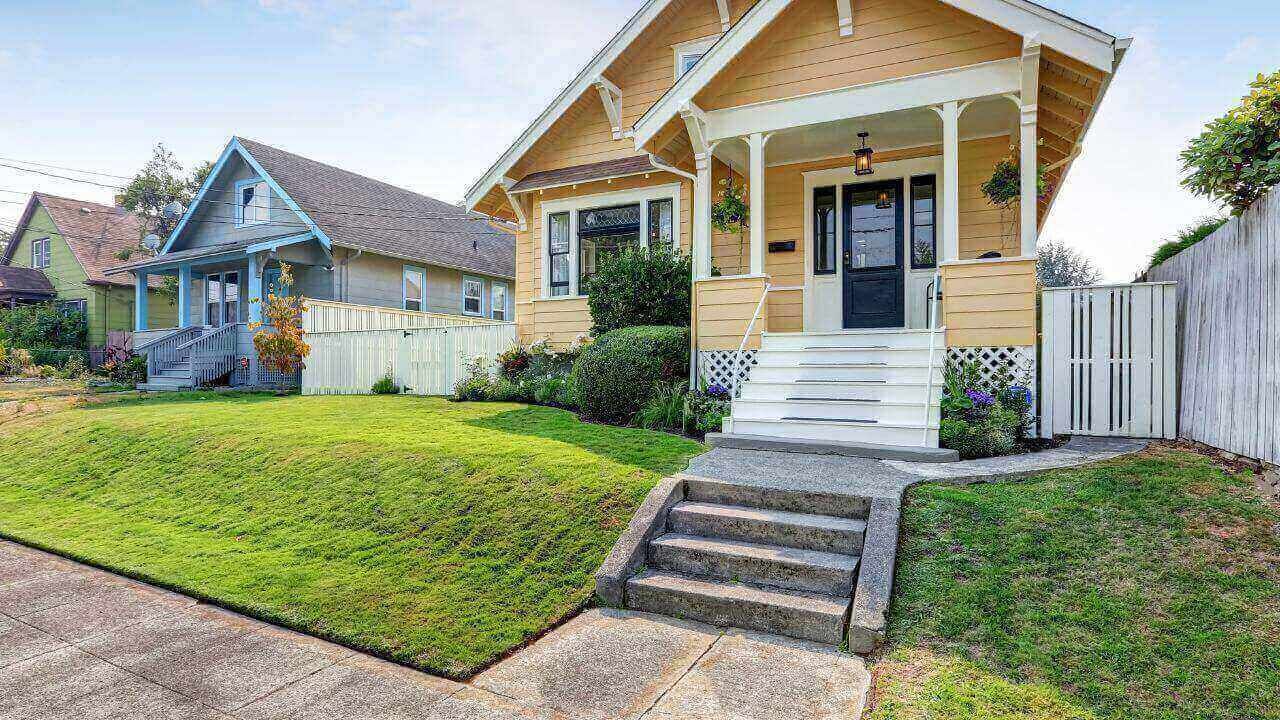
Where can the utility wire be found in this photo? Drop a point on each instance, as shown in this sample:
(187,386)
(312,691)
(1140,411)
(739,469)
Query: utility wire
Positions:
(62,167)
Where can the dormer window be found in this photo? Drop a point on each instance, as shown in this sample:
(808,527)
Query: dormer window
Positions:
(689,53)
(253,202)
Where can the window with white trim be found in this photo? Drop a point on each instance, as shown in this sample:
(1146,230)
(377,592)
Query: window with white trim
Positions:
(414,288)
(498,301)
(253,202)
(689,53)
(583,232)
(40,253)
(69,306)
(472,295)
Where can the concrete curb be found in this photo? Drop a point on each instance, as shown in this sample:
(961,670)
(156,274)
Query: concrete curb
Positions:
(868,616)
(832,447)
(628,554)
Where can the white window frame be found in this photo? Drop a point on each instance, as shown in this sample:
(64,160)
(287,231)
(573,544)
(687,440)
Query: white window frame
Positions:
(472,279)
(697,47)
(506,300)
(261,211)
(574,205)
(74,305)
(40,253)
(404,287)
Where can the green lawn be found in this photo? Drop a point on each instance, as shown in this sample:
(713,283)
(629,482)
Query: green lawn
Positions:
(441,535)
(1146,587)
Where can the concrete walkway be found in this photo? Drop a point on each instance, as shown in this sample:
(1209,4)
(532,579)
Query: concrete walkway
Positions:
(79,643)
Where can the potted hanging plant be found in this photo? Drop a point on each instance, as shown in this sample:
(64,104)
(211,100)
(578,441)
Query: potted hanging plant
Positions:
(729,213)
(1004,188)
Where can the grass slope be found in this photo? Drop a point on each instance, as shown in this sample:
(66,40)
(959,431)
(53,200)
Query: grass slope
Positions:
(440,535)
(1146,587)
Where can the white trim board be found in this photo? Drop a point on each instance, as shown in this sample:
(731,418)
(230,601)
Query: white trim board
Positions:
(572,205)
(582,83)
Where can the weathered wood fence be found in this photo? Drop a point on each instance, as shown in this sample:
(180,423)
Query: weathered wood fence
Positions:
(423,361)
(1229,333)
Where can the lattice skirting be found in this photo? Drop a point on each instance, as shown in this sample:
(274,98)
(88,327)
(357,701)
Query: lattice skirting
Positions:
(267,378)
(727,368)
(1017,364)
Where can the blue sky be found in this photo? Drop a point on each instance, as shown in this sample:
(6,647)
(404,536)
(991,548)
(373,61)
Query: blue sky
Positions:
(425,94)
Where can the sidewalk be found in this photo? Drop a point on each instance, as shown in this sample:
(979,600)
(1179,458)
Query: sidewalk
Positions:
(80,643)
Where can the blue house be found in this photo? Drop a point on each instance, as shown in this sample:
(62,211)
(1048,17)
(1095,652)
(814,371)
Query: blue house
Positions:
(347,238)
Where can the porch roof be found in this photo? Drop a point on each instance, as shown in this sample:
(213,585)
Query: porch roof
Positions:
(621,167)
(24,283)
(238,247)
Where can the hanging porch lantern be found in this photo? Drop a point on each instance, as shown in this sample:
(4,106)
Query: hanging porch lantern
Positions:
(862,156)
(882,201)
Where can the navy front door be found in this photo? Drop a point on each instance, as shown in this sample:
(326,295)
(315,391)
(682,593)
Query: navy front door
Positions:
(873,267)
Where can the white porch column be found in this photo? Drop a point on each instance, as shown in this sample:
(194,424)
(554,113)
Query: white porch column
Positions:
(140,301)
(254,289)
(702,216)
(184,296)
(1028,155)
(756,142)
(950,113)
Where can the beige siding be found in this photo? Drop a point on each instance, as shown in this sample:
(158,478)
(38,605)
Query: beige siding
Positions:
(984,227)
(990,304)
(803,52)
(559,322)
(723,308)
(378,280)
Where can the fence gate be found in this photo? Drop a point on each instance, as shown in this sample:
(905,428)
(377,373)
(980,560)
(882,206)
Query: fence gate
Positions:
(1109,361)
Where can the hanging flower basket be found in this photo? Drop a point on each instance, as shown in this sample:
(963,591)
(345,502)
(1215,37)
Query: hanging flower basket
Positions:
(729,213)
(1004,189)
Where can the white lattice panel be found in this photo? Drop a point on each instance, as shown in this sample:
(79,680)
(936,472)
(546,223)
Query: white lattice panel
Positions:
(727,368)
(1016,363)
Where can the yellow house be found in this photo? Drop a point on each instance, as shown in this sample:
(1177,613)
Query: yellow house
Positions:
(862,131)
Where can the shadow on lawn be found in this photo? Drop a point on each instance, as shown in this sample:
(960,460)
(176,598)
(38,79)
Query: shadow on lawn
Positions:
(658,452)
(107,403)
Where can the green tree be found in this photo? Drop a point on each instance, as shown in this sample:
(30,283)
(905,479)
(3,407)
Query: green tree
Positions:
(1061,266)
(1237,157)
(160,182)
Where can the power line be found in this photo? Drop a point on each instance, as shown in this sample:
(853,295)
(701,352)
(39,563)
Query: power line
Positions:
(60,177)
(68,169)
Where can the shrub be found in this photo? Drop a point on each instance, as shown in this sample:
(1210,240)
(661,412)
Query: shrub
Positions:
(705,410)
(665,408)
(278,340)
(128,371)
(982,418)
(504,390)
(639,287)
(975,440)
(16,361)
(514,361)
(476,383)
(44,325)
(615,376)
(1188,236)
(385,385)
(75,366)
(1237,157)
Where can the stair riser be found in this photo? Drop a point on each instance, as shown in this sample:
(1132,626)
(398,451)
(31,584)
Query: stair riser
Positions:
(888,357)
(769,410)
(757,571)
(800,501)
(881,435)
(732,612)
(765,532)
(781,374)
(911,340)
(754,390)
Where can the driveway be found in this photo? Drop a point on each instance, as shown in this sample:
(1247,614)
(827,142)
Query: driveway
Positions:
(80,643)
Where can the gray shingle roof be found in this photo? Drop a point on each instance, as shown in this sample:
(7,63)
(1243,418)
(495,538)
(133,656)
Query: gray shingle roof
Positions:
(24,281)
(371,215)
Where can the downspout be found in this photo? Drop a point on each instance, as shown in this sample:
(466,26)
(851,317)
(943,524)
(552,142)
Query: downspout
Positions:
(345,273)
(693,289)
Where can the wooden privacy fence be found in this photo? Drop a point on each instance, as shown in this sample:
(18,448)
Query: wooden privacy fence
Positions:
(423,361)
(329,316)
(1109,361)
(1229,333)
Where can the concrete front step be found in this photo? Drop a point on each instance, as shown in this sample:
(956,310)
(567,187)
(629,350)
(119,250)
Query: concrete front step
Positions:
(883,412)
(763,497)
(769,527)
(899,434)
(808,616)
(769,566)
(832,447)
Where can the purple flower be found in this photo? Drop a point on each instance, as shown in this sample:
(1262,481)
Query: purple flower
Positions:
(1020,392)
(717,391)
(980,398)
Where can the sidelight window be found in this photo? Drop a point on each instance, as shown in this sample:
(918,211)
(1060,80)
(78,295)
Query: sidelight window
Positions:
(924,239)
(824,231)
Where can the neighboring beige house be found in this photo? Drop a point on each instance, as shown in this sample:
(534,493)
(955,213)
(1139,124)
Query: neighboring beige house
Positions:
(348,238)
(836,273)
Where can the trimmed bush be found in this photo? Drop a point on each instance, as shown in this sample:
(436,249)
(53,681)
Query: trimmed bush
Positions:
(639,287)
(385,385)
(615,376)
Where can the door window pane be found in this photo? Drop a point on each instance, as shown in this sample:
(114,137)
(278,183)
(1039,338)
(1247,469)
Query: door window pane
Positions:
(872,228)
(558,253)
(924,241)
(824,231)
(661,228)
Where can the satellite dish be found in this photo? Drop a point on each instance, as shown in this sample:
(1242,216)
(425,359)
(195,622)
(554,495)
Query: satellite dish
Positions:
(151,242)
(173,210)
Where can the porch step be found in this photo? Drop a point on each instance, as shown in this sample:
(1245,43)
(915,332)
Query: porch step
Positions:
(808,616)
(803,531)
(769,498)
(820,409)
(769,371)
(163,384)
(832,447)
(770,566)
(891,338)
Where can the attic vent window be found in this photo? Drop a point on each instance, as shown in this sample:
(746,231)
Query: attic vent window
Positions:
(253,202)
(689,53)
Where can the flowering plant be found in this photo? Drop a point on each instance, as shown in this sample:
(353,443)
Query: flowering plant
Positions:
(281,347)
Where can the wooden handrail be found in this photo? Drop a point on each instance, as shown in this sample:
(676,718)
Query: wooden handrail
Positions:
(166,350)
(213,355)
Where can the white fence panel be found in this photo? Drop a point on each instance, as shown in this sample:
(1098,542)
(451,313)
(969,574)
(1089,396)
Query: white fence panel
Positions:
(423,361)
(1109,355)
(329,316)
(1229,335)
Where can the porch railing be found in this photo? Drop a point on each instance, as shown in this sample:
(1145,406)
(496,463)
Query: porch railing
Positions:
(213,355)
(931,321)
(168,349)
(742,346)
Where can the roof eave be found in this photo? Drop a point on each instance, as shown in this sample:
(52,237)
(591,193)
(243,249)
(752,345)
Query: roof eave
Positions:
(425,261)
